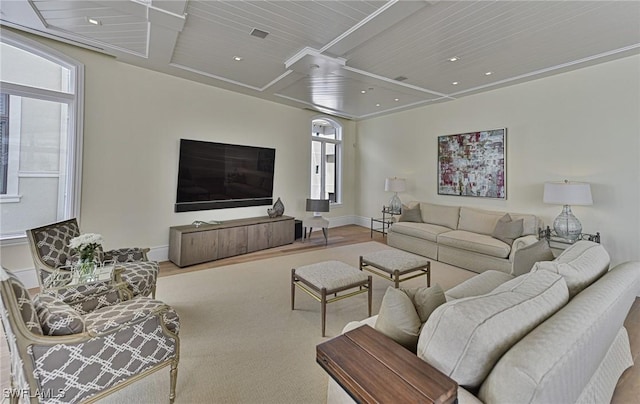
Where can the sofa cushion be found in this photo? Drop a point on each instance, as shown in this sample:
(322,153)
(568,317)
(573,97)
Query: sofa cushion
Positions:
(56,317)
(404,311)
(581,264)
(410,214)
(464,338)
(480,284)
(475,242)
(507,229)
(424,231)
(440,215)
(526,257)
(478,220)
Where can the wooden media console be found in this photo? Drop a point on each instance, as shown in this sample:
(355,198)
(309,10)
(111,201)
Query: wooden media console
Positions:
(191,244)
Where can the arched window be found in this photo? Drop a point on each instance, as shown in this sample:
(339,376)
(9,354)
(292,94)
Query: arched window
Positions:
(326,160)
(41,135)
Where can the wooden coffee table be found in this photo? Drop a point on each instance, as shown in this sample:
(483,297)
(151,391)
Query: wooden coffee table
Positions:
(373,368)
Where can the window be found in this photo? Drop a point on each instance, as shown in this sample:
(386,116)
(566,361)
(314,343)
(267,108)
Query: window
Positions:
(326,160)
(41,133)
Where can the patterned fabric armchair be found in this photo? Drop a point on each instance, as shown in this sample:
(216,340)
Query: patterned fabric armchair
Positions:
(61,356)
(51,253)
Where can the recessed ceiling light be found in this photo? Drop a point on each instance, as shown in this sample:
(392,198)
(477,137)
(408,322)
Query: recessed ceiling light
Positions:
(237,58)
(363,91)
(453,59)
(455,83)
(488,73)
(377,105)
(93,21)
(397,99)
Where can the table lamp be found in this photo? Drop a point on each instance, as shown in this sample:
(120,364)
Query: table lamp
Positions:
(567,193)
(395,185)
(317,206)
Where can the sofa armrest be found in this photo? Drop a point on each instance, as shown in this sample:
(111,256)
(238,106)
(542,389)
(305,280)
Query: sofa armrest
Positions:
(521,242)
(370,321)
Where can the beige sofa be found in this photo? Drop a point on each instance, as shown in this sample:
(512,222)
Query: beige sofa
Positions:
(461,236)
(554,335)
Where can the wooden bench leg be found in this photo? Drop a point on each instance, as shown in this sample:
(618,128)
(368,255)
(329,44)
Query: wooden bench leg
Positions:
(370,293)
(396,278)
(293,288)
(323,303)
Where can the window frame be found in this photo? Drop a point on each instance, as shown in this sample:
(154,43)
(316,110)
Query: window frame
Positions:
(338,143)
(70,195)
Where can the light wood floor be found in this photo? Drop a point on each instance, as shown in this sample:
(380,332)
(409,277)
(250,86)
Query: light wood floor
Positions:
(627,390)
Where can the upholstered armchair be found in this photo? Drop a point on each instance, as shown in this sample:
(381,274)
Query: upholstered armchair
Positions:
(61,356)
(52,254)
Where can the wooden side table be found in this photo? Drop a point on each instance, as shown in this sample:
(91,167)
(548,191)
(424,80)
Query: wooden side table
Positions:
(373,368)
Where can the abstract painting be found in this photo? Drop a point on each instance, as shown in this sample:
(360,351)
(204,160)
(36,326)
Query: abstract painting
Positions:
(473,164)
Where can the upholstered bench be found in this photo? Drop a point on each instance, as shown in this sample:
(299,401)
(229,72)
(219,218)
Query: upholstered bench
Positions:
(329,278)
(397,265)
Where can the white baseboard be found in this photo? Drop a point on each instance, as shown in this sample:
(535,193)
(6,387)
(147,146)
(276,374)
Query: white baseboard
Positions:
(29,278)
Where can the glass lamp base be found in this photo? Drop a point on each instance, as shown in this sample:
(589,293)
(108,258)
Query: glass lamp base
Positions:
(567,225)
(395,205)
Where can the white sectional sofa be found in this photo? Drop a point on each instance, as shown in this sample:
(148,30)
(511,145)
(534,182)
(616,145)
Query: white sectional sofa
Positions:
(554,335)
(460,236)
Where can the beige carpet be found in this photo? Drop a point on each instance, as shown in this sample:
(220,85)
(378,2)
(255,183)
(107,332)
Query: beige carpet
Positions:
(240,341)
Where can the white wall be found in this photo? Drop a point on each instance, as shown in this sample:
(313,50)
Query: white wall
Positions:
(134,119)
(581,126)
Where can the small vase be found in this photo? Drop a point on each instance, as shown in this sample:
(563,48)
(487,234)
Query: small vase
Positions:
(85,270)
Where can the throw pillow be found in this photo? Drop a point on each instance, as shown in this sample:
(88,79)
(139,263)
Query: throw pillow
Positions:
(465,338)
(410,214)
(426,300)
(56,317)
(404,311)
(398,318)
(526,257)
(508,230)
(580,265)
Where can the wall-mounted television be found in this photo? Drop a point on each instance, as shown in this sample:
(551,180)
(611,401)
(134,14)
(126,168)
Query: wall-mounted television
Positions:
(219,175)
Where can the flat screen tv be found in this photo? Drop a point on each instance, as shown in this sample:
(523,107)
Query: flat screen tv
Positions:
(218,175)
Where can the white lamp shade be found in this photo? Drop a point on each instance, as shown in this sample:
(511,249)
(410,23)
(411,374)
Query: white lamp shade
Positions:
(567,193)
(395,184)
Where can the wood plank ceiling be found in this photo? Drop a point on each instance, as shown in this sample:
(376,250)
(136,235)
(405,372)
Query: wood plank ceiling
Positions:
(354,59)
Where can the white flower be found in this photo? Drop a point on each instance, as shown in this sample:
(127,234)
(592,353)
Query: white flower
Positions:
(85,240)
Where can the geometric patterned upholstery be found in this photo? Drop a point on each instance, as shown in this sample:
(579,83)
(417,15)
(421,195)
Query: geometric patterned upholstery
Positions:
(140,277)
(110,347)
(25,305)
(56,317)
(50,250)
(86,298)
